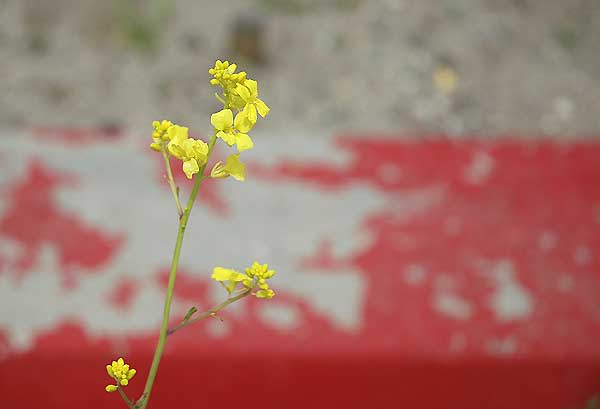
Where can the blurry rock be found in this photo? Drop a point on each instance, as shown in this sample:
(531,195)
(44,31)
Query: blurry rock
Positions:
(246,38)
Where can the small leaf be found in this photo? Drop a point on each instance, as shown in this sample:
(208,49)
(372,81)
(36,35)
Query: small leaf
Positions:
(189,314)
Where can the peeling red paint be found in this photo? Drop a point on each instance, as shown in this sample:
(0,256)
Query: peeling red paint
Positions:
(531,220)
(33,219)
(123,293)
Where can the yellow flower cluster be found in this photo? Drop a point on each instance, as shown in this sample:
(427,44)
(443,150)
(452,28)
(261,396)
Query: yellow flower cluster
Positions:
(174,140)
(241,107)
(120,372)
(255,279)
(238,116)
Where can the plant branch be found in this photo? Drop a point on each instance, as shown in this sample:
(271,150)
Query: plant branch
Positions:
(210,312)
(171,180)
(124,396)
(162,338)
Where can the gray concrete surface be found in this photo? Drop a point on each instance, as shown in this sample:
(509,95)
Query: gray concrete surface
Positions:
(461,67)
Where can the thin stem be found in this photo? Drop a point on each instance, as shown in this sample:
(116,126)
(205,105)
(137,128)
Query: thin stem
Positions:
(124,396)
(162,338)
(210,312)
(171,181)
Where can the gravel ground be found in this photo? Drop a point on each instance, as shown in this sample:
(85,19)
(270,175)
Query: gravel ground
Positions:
(462,67)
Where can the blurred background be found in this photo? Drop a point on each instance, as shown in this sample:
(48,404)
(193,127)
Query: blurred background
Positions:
(461,67)
(426,185)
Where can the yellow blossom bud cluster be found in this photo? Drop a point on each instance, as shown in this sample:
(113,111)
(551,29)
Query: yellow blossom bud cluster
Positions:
(120,372)
(231,124)
(255,279)
(159,135)
(174,140)
(224,74)
(238,116)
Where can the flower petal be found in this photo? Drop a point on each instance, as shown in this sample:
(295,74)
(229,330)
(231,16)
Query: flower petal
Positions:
(228,137)
(242,123)
(190,168)
(252,86)
(250,111)
(230,286)
(176,150)
(222,120)
(177,133)
(243,142)
(222,274)
(235,168)
(262,108)
(243,92)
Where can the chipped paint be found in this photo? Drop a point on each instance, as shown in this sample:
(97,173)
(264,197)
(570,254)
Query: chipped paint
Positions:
(479,169)
(510,300)
(452,306)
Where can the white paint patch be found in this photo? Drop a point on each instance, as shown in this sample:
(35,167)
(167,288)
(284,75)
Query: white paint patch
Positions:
(10,252)
(283,317)
(582,256)
(510,301)
(502,346)
(547,241)
(272,149)
(414,274)
(452,306)
(480,168)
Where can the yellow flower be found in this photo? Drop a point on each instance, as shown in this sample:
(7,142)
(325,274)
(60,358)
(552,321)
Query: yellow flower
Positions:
(249,94)
(233,167)
(224,72)
(193,152)
(268,293)
(228,277)
(177,135)
(255,279)
(160,133)
(226,274)
(120,372)
(260,271)
(232,131)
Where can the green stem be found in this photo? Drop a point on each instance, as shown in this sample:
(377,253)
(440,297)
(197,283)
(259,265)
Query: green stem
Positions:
(162,338)
(210,312)
(124,396)
(171,180)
